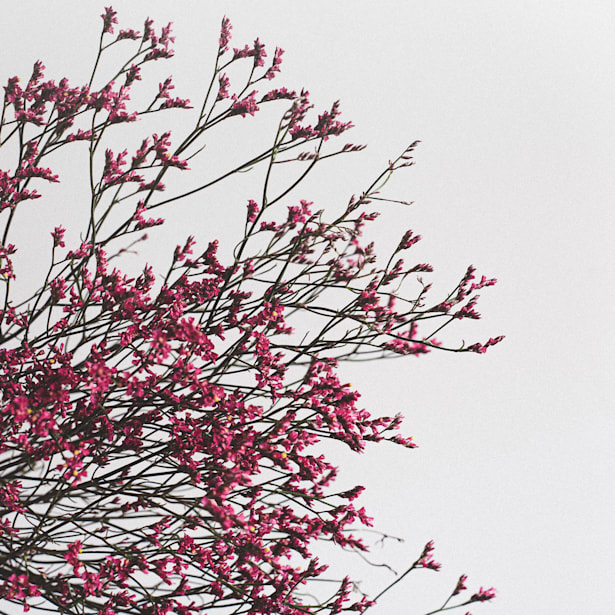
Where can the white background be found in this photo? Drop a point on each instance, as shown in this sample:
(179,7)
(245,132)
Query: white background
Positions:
(514,104)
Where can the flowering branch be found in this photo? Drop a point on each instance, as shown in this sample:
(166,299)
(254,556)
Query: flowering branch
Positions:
(157,433)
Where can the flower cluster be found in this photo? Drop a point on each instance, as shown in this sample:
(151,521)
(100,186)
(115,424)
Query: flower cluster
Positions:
(159,434)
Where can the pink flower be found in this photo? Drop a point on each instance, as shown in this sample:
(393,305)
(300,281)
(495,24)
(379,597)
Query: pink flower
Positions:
(18,587)
(109,18)
(58,237)
(253,210)
(245,106)
(483,595)
(279,94)
(57,288)
(84,250)
(460,585)
(223,85)
(275,67)
(128,34)
(72,555)
(426,560)
(225,35)
(407,241)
